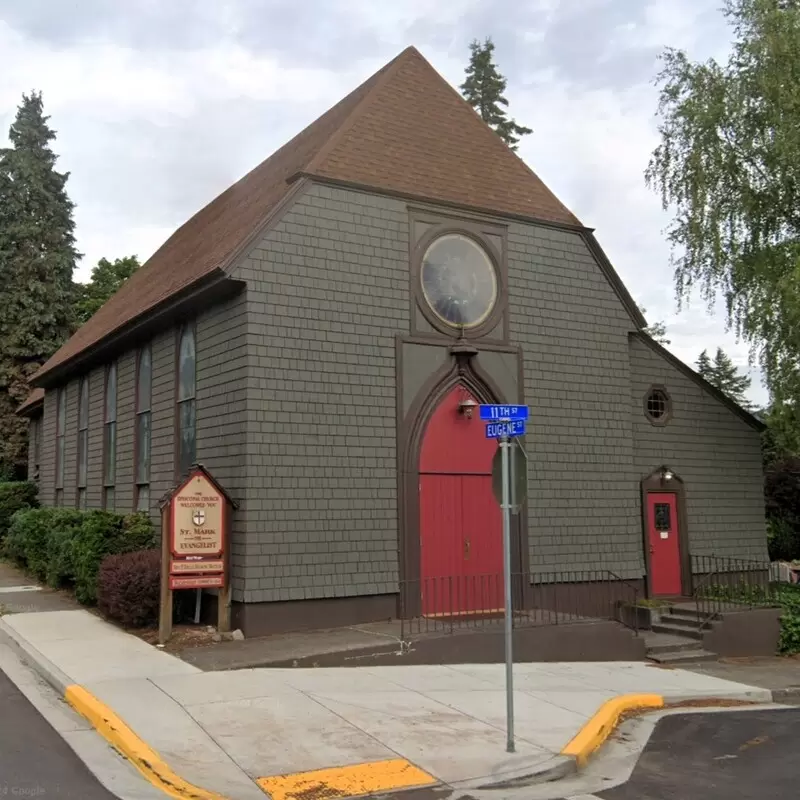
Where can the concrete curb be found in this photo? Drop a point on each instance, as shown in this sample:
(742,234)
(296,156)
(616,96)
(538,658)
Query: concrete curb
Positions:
(146,760)
(137,751)
(46,670)
(592,735)
(554,769)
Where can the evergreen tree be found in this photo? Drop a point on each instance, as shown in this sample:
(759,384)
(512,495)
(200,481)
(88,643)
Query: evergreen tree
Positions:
(107,277)
(37,258)
(704,365)
(725,376)
(484,90)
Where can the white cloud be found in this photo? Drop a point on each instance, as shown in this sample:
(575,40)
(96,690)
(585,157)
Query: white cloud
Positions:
(154,120)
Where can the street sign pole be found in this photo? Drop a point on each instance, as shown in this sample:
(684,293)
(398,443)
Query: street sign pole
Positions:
(505,423)
(505,443)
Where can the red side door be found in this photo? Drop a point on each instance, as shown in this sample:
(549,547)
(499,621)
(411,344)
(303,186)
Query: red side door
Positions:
(461,545)
(665,552)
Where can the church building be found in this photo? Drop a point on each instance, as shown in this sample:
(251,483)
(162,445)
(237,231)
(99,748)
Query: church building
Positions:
(317,337)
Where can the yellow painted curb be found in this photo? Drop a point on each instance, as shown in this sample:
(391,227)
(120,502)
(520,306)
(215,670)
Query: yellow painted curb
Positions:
(357,779)
(602,724)
(138,752)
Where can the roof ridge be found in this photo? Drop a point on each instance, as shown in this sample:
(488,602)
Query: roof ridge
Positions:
(381,77)
(502,141)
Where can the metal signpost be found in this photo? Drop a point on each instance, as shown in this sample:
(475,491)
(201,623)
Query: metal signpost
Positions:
(505,423)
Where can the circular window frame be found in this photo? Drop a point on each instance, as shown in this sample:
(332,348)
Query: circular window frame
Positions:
(493,317)
(658,422)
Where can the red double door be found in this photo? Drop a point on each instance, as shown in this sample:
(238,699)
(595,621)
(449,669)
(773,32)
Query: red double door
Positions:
(461,546)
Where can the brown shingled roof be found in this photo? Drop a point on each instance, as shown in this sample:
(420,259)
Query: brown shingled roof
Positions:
(33,399)
(405,130)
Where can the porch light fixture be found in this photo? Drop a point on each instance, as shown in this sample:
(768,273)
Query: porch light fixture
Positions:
(466,407)
(667,474)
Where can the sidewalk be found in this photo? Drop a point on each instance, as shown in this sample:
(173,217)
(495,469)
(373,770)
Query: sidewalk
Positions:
(779,674)
(242,733)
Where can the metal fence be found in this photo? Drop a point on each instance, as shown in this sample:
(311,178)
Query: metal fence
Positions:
(729,584)
(453,603)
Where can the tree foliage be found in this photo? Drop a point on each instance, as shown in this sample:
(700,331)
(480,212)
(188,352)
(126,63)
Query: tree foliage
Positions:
(106,279)
(484,89)
(37,259)
(728,164)
(656,330)
(724,374)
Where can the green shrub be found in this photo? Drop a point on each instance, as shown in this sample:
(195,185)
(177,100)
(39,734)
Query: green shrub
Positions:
(102,534)
(26,541)
(61,548)
(64,546)
(15,496)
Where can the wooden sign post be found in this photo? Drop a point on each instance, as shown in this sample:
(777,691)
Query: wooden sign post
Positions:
(195,526)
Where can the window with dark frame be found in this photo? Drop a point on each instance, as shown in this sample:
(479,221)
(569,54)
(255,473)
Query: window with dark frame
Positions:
(657,405)
(187,416)
(61,424)
(144,392)
(36,441)
(83,441)
(662,517)
(110,439)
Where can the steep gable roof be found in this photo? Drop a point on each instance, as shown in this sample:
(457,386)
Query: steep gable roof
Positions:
(32,401)
(405,131)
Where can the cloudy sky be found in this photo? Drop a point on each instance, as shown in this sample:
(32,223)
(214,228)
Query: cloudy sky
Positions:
(160,105)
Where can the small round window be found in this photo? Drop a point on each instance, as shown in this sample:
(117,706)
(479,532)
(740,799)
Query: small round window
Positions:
(458,280)
(657,405)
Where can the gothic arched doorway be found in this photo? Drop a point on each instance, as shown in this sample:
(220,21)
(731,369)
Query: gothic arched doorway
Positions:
(460,526)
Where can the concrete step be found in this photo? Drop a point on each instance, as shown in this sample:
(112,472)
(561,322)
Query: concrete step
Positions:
(677,630)
(683,621)
(666,643)
(682,656)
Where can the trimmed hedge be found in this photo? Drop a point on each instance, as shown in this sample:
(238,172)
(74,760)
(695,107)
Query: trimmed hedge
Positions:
(129,587)
(65,547)
(15,496)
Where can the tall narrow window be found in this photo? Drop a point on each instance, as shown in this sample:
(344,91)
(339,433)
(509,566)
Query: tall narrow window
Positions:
(110,439)
(36,444)
(83,440)
(61,424)
(144,391)
(187,418)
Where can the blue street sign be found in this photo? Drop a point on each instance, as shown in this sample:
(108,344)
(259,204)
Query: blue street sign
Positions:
(491,413)
(497,430)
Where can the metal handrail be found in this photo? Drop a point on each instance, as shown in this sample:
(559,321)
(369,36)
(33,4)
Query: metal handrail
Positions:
(713,568)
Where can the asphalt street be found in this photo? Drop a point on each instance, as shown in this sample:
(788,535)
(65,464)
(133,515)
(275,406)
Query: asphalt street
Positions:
(35,762)
(721,756)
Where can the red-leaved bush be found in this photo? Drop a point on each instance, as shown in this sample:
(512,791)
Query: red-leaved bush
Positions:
(128,587)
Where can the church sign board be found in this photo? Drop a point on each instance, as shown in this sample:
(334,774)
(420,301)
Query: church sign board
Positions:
(195,521)
(197,540)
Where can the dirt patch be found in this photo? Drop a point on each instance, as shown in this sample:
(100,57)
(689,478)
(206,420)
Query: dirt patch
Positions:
(700,702)
(183,637)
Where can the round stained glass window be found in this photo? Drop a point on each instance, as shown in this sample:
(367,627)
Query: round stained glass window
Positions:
(458,281)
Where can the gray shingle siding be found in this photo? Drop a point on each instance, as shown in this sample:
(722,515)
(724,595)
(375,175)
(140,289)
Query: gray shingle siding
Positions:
(297,402)
(222,413)
(327,293)
(716,454)
(583,490)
